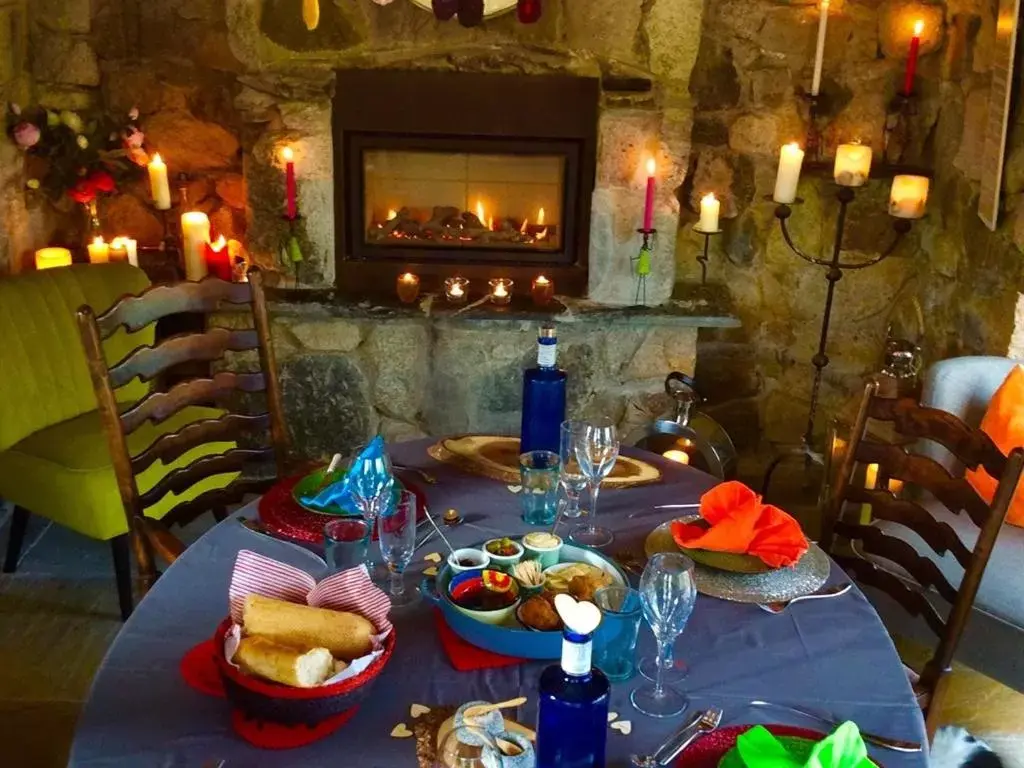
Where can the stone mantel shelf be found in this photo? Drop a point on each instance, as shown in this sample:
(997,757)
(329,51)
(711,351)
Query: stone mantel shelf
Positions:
(691,307)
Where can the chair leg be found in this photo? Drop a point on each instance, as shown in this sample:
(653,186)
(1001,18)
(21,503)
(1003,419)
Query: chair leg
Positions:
(120,547)
(219,513)
(19,522)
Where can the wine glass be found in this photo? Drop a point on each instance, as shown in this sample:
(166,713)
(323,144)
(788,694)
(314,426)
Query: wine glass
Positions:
(570,476)
(396,528)
(596,449)
(372,483)
(667,594)
(674,670)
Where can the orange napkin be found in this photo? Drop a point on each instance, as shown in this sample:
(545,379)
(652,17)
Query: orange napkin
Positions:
(740,523)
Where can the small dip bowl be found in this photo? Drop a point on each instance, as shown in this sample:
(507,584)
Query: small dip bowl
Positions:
(486,595)
(503,562)
(468,559)
(543,546)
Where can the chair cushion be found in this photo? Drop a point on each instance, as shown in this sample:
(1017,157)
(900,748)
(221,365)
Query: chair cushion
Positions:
(64,472)
(1004,423)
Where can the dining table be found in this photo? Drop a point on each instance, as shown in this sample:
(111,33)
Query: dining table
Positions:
(833,656)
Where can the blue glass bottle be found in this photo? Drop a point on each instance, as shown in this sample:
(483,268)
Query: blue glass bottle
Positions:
(572,718)
(543,397)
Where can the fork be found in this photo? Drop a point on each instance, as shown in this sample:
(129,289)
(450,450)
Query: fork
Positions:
(781,605)
(699,725)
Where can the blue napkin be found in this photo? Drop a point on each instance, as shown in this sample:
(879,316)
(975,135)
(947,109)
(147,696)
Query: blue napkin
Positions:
(367,477)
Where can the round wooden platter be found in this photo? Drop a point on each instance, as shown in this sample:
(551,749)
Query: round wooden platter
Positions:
(491,7)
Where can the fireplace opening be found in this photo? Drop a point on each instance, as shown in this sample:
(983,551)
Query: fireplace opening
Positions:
(445,174)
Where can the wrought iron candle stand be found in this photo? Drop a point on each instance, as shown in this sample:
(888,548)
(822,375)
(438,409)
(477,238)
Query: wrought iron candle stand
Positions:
(291,251)
(702,257)
(642,265)
(834,268)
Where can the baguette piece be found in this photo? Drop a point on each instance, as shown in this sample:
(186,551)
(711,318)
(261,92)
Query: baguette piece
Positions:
(264,658)
(346,635)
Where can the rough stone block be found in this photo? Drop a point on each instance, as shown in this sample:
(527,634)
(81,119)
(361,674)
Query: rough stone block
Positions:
(127,213)
(231,189)
(194,144)
(604,27)
(762,133)
(626,139)
(58,58)
(73,16)
(332,335)
(400,351)
(972,144)
(8,50)
(397,431)
(715,83)
(673,30)
(58,98)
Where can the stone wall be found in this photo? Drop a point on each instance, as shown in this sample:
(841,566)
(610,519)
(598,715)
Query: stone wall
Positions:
(15,85)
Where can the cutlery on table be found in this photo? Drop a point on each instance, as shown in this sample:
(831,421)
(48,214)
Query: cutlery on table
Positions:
(255,526)
(428,478)
(879,741)
(834,591)
(659,508)
(700,724)
(480,710)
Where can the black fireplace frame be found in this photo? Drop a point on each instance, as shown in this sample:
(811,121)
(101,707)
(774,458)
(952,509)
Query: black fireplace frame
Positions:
(461,112)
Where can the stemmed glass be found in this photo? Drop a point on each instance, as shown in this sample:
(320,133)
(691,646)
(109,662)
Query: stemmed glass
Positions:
(396,527)
(570,475)
(674,671)
(372,482)
(596,449)
(667,594)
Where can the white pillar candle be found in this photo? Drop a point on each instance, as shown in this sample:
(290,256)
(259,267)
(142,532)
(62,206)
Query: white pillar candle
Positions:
(99,251)
(129,246)
(819,53)
(47,258)
(870,483)
(791,158)
(908,197)
(853,164)
(195,234)
(709,210)
(158,186)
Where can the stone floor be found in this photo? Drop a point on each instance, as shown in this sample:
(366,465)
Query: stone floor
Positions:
(59,613)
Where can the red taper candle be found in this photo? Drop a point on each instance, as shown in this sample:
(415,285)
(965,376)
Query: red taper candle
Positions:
(649,199)
(915,47)
(291,196)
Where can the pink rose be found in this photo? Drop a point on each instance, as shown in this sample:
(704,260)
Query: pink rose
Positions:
(26,135)
(133,113)
(133,137)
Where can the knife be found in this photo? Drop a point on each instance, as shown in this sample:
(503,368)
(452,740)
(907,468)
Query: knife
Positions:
(879,741)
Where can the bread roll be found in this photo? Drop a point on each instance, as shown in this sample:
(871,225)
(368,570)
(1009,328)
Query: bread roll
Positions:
(264,658)
(346,635)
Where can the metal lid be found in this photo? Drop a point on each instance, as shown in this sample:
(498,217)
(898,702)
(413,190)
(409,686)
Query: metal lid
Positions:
(546,332)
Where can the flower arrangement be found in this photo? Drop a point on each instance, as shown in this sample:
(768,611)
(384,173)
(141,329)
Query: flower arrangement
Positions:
(75,156)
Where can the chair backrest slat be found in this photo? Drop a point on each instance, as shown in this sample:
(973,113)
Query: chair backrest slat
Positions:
(149,362)
(172,446)
(178,480)
(206,296)
(912,601)
(219,497)
(159,406)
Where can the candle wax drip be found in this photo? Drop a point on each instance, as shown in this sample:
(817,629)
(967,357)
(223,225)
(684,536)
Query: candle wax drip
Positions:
(528,11)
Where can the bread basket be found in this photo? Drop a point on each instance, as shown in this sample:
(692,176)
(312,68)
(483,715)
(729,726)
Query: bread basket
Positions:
(271,702)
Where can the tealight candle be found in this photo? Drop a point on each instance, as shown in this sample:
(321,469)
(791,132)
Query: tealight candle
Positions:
(710,207)
(870,483)
(676,455)
(195,234)
(218,258)
(118,250)
(47,258)
(908,197)
(455,289)
(129,247)
(791,158)
(542,290)
(408,286)
(895,486)
(501,290)
(99,251)
(853,164)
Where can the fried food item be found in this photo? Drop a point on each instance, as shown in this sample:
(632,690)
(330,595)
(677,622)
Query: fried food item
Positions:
(584,587)
(283,664)
(346,635)
(539,613)
(558,581)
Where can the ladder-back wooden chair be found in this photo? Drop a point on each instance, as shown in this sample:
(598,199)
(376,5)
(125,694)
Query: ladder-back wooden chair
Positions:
(874,557)
(193,440)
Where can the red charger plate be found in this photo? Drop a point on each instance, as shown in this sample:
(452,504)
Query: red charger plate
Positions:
(707,751)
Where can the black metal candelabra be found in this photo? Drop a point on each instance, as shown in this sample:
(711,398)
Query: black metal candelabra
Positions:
(642,265)
(834,269)
(702,257)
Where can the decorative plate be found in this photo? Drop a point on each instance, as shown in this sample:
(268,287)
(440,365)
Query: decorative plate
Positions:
(310,485)
(713,750)
(723,561)
(780,584)
(491,7)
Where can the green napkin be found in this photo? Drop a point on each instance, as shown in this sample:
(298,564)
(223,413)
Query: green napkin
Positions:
(843,749)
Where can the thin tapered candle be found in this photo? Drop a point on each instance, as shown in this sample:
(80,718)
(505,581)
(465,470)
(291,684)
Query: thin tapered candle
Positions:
(819,53)
(291,194)
(915,49)
(649,198)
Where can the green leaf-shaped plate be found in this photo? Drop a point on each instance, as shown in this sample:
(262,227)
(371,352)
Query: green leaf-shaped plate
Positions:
(660,540)
(311,484)
(799,748)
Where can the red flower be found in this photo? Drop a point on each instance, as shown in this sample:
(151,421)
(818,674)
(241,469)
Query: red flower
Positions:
(102,181)
(83,192)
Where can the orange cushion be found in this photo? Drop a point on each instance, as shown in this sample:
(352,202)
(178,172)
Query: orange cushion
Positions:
(1004,423)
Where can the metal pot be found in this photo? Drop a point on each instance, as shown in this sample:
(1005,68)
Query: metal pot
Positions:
(687,435)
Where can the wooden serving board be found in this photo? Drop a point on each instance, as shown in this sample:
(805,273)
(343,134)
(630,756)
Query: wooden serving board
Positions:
(497,457)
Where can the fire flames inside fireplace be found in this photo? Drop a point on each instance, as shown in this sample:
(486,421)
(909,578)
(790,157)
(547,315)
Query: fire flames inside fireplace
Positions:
(430,198)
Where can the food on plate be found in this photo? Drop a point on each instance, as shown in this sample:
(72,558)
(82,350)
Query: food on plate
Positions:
(503,547)
(468,562)
(346,635)
(528,573)
(542,540)
(539,613)
(284,664)
(583,587)
(488,591)
(558,579)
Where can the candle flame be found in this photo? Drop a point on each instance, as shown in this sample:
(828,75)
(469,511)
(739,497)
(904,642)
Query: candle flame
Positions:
(522,229)
(409,277)
(480,211)
(676,455)
(392,213)
(97,240)
(287,155)
(500,290)
(156,159)
(540,217)
(651,166)
(490,223)
(918,27)
(824,5)
(708,198)
(541,280)
(220,244)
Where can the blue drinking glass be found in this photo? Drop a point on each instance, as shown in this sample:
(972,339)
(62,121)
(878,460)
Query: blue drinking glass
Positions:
(615,639)
(539,477)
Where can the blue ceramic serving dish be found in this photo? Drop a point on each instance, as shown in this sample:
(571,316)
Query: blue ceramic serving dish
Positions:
(511,638)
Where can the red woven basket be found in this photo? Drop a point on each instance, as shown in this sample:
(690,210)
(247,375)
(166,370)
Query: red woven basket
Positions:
(272,702)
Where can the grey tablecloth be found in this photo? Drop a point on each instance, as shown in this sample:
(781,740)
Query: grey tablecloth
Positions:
(832,655)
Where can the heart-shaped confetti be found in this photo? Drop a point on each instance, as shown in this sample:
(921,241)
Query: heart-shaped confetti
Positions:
(433,557)
(514,488)
(431,571)
(415,710)
(401,731)
(612,716)
(625,727)
(582,617)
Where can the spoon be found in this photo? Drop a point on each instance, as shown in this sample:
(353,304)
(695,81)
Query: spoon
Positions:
(781,605)
(483,709)
(443,537)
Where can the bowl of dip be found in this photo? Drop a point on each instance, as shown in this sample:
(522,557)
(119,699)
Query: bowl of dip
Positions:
(544,547)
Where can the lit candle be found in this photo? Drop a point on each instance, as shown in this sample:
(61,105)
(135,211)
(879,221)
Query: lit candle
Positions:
(915,48)
(676,455)
(158,186)
(542,290)
(895,486)
(408,287)
(195,234)
(870,482)
(118,250)
(455,289)
(791,158)
(649,199)
(291,195)
(853,164)
(819,53)
(908,197)
(218,258)
(47,258)
(501,290)
(709,209)
(99,251)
